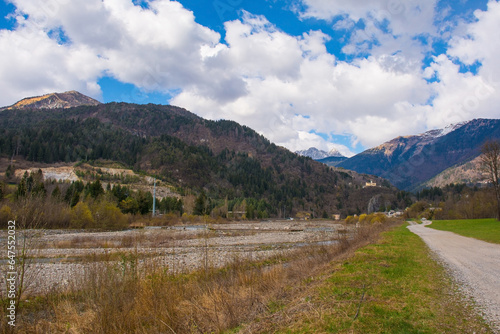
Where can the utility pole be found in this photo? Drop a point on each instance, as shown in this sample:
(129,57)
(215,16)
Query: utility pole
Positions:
(154,197)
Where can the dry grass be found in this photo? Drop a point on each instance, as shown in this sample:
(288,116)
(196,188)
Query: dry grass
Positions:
(117,298)
(159,238)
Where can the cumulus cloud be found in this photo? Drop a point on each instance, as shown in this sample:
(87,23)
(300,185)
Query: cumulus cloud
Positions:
(156,49)
(462,95)
(478,43)
(399,35)
(36,64)
(404,17)
(310,91)
(387,26)
(289,88)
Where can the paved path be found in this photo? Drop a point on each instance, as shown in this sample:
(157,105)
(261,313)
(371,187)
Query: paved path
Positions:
(474,263)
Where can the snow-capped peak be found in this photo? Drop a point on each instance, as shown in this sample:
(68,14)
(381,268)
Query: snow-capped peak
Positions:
(335,153)
(444,131)
(317,154)
(313,153)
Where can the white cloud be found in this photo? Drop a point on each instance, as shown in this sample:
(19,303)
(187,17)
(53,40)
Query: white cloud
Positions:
(312,91)
(36,64)
(400,45)
(258,49)
(479,42)
(288,88)
(156,49)
(388,26)
(405,17)
(463,96)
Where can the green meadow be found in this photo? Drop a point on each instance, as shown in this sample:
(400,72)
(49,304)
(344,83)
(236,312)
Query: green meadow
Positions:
(390,286)
(482,229)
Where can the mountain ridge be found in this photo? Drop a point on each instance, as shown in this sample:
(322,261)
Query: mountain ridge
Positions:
(468,172)
(412,160)
(222,159)
(67,99)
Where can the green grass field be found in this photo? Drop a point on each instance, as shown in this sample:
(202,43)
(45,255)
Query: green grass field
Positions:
(482,229)
(392,286)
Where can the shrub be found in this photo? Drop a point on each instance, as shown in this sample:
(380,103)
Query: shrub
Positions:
(81,216)
(351,220)
(378,218)
(129,205)
(5,215)
(56,214)
(107,215)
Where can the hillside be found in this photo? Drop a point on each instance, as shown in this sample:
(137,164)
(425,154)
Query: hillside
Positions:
(468,173)
(220,158)
(332,161)
(410,161)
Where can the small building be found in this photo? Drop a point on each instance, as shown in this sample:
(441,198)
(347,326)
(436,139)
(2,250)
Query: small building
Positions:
(336,216)
(371,184)
(394,214)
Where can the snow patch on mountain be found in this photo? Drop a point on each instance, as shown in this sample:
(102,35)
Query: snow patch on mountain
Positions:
(313,153)
(444,131)
(317,154)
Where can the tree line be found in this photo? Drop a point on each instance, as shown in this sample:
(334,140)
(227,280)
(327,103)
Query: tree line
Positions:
(81,205)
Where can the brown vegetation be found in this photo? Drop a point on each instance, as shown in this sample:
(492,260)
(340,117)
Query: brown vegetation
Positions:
(117,298)
(467,205)
(491,163)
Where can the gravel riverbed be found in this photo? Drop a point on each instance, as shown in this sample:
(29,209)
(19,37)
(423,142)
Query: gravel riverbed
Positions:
(63,257)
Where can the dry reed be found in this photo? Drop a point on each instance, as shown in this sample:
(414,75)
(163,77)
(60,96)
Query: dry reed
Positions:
(117,298)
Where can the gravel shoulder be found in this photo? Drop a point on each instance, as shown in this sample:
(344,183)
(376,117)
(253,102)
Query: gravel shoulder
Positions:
(474,264)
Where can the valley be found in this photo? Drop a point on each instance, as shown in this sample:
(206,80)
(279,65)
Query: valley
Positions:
(249,167)
(122,209)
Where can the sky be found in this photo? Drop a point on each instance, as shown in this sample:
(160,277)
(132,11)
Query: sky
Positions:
(340,74)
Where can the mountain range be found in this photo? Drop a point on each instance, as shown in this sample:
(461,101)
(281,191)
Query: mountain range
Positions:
(317,154)
(221,159)
(410,162)
(218,156)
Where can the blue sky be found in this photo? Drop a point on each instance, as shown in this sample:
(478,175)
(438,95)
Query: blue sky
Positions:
(339,74)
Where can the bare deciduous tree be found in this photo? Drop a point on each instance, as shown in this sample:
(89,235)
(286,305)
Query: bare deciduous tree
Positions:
(490,161)
(29,227)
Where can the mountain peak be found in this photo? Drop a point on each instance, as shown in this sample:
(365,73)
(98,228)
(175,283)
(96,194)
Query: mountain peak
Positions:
(54,100)
(444,131)
(335,153)
(313,153)
(421,139)
(317,154)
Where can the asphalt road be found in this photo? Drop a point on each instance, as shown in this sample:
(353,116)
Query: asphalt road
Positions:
(475,264)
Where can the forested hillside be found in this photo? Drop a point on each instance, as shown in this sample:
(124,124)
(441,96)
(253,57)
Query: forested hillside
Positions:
(221,159)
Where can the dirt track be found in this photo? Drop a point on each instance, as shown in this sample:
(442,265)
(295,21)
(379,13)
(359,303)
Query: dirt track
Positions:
(474,264)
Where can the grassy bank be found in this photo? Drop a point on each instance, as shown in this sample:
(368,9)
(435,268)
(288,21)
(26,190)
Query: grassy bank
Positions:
(482,229)
(392,286)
